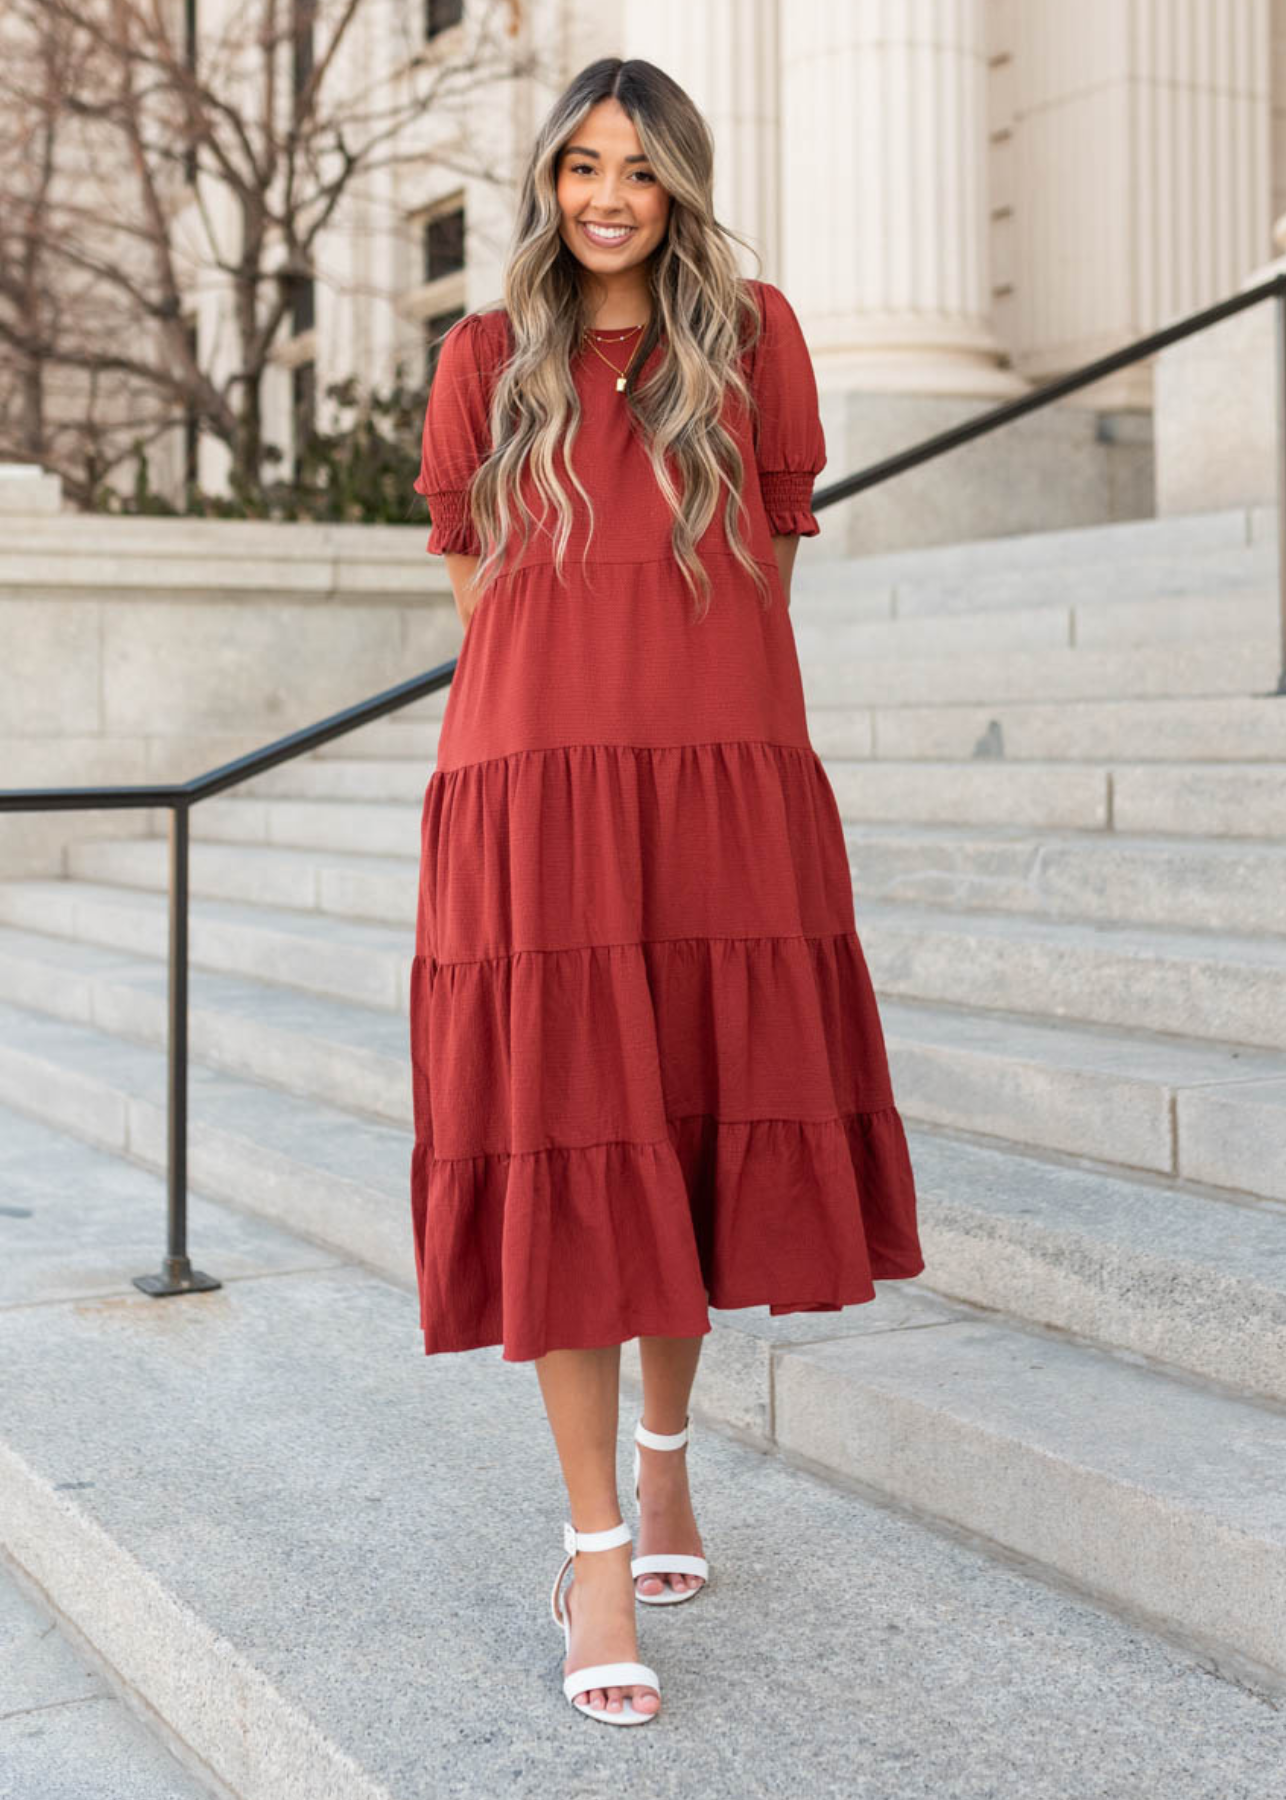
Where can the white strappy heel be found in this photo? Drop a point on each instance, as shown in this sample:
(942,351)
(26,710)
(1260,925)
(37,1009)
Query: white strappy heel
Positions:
(599,1675)
(665,1563)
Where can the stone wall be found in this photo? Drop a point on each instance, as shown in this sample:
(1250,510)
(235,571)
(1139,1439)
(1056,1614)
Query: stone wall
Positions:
(152,650)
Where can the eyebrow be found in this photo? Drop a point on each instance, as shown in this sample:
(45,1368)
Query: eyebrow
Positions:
(583,150)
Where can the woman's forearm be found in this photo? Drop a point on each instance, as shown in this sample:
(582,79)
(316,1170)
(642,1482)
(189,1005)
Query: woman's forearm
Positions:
(784,549)
(461,570)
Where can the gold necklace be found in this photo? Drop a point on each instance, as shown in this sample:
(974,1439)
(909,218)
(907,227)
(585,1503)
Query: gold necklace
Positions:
(620,374)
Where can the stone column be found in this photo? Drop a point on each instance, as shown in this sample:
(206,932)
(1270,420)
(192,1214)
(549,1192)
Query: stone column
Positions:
(725,53)
(884,155)
(1141,173)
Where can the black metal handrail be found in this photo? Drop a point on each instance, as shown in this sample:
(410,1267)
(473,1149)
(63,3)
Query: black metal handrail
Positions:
(177,1276)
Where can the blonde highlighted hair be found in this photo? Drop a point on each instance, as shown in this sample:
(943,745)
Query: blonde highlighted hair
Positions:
(702,312)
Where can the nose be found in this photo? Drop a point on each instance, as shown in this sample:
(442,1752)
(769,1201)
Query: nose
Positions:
(610,194)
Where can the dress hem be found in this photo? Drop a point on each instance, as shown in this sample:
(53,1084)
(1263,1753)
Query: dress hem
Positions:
(776,1309)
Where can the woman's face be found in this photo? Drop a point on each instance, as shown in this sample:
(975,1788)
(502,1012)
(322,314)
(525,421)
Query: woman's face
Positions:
(604,178)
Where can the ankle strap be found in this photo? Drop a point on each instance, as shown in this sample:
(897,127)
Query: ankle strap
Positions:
(661,1440)
(574,1540)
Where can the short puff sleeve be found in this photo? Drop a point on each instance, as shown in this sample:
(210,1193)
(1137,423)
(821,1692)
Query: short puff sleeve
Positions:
(457,434)
(791,446)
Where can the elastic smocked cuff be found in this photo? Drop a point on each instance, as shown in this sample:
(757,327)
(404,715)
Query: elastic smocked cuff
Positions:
(451,528)
(787,496)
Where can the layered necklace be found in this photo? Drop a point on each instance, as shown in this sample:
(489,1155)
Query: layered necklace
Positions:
(620,374)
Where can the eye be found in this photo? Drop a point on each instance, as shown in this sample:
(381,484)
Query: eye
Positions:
(589,169)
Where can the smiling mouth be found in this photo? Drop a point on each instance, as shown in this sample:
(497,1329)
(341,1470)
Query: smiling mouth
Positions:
(608,237)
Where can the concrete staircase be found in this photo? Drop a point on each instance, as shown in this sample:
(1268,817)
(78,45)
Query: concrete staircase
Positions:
(1063,781)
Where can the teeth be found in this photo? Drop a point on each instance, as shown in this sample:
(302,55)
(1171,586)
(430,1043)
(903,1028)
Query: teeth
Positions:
(614,232)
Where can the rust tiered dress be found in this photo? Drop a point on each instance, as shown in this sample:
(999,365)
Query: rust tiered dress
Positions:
(649,1075)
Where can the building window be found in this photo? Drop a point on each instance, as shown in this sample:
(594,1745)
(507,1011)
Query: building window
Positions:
(189,63)
(303,408)
(302,15)
(436,327)
(441,15)
(444,244)
(301,293)
(191,424)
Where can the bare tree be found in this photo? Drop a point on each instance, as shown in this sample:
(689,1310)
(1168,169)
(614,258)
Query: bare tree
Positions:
(140,166)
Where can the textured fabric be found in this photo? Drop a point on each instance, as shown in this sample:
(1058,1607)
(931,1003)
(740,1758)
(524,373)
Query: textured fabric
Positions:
(649,1072)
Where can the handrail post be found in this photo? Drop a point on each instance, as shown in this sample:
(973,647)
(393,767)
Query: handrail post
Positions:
(1279,315)
(177,1275)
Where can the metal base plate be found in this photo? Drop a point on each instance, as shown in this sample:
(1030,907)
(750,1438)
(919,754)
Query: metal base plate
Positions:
(160,1285)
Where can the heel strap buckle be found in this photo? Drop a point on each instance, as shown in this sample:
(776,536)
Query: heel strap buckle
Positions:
(574,1540)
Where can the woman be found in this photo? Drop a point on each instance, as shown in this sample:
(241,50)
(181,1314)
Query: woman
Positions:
(649,1073)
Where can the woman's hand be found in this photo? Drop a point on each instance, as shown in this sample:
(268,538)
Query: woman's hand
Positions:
(461,570)
(784,549)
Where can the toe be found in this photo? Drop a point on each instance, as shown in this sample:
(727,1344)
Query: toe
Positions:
(650,1584)
(646,1699)
(614,1699)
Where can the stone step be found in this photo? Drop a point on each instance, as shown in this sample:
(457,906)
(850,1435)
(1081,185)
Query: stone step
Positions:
(333,1178)
(65,1734)
(1212,532)
(409,735)
(1171,1272)
(347,959)
(309,1044)
(1048,796)
(1231,728)
(1100,619)
(229,1600)
(379,828)
(870,589)
(1109,878)
(1225,989)
(1209,1114)
(1060,1453)
(383,889)
(398,780)
(1215,988)
(378,810)
(1199,667)
(1205,1113)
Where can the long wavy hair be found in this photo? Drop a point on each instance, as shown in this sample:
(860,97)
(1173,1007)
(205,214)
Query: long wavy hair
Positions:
(702,311)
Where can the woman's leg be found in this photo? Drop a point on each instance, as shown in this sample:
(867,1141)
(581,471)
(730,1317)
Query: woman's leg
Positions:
(581,1390)
(666,1519)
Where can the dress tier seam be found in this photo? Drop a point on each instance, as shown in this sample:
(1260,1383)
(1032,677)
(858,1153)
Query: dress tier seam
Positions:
(858,1112)
(639,749)
(692,937)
